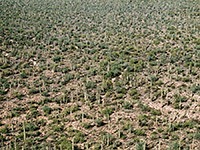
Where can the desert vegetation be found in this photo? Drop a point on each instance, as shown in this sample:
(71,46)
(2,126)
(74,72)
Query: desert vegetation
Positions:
(100,74)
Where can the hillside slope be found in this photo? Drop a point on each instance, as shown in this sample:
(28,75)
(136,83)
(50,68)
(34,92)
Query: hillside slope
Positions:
(100,74)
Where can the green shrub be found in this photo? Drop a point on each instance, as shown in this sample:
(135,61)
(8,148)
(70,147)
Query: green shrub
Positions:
(140,146)
(67,78)
(3,92)
(120,90)
(174,146)
(139,132)
(65,144)
(144,107)
(4,130)
(7,72)
(58,128)
(87,125)
(154,136)
(79,137)
(23,75)
(107,85)
(155,112)
(128,126)
(127,105)
(195,88)
(197,136)
(143,120)
(99,122)
(133,92)
(107,111)
(56,58)
(33,91)
(153,78)
(71,109)
(65,70)
(30,127)
(90,85)
(47,110)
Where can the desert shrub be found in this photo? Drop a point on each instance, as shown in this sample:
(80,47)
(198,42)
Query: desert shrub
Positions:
(67,78)
(79,137)
(90,85)
(143,120)
(195,88)
(87,125)
(45,101)
(65,143)
(139,132)
(133,92)
(7,72)
(65,69)
(31,127)
(107,85)
(99,122)
(155,112)
(127,126)
(153,78)
(179,98)
(107,111)
(127,105)
(4,130)
(92,97)
(174,146)
(144,107)
(23,75)
(120,89)
(140,146)
(115,70)
(58,128)
(56,58)
(72,109)
(154,136)
(197,136)
(33,91)
(47,110)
